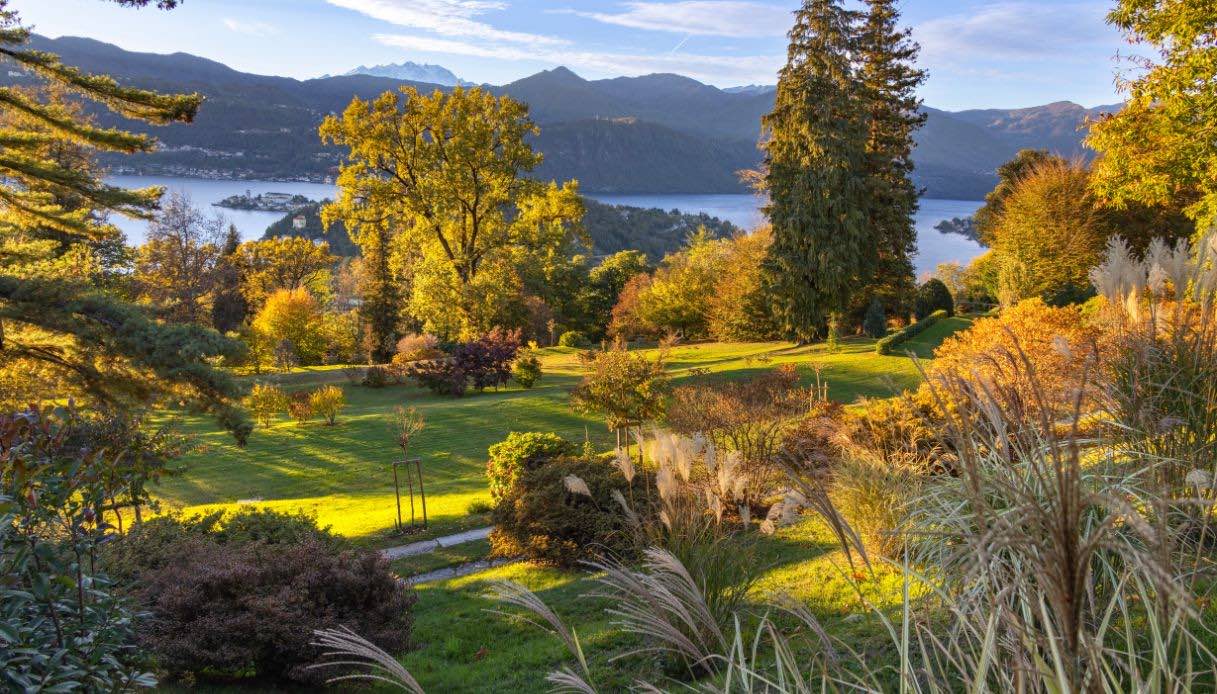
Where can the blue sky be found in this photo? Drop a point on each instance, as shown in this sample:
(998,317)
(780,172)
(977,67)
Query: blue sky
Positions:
(980,53)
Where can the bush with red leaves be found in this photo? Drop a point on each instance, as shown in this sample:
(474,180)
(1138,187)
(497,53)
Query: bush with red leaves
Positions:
(481,364)
(246,607)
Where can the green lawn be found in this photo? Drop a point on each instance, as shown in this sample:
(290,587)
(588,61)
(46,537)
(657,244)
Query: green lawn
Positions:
(342,473)
(464,645)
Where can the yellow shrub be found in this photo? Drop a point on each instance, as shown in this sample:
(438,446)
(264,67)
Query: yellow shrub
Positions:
(328,401)
(1055,342)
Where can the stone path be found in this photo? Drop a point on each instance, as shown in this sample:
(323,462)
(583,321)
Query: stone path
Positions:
(416,548)
(459,570)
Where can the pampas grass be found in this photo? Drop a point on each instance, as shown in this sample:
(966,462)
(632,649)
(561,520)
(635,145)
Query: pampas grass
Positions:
(352,650)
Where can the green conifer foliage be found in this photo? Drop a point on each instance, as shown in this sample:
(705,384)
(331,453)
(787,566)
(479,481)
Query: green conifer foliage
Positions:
(815,155)
(887,55)
(61,326)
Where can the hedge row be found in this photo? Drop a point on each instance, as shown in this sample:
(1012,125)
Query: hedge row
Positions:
(889,343)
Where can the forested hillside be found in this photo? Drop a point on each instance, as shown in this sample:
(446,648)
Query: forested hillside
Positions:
(611,228)
(649,134)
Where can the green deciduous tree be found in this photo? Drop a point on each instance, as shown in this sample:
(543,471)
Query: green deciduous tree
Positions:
(1161,148)
(605,282)
(815,153)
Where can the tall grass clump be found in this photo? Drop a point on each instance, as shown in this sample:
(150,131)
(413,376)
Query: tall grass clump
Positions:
(1045,556)
(1161,394)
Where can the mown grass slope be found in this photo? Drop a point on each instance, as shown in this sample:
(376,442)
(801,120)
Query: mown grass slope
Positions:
(343,473)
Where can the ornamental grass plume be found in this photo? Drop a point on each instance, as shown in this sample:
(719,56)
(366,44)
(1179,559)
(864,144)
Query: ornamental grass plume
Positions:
(345,648)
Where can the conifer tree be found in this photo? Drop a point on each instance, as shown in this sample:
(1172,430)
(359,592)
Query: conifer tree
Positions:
(229,309)
(815,155)
(382,300)
(887,55)
(60,326)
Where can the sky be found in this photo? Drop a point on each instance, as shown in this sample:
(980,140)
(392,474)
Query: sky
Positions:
(979,53)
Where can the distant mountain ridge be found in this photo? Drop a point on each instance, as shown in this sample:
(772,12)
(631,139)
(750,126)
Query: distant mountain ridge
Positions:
(657,133)
(410,72)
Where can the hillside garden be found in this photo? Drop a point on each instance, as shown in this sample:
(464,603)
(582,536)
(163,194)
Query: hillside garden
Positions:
(774,461)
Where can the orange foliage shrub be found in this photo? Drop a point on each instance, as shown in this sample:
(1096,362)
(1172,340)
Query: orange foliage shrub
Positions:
(1056,343)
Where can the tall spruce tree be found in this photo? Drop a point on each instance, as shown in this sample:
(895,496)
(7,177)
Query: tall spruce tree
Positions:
(76,338)
(229,308)
(815,157)
(886,56)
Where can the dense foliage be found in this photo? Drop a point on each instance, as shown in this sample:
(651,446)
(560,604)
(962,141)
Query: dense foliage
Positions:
(463,203)
(626,389)
(482,363)
(242,594)
(62,624)
(815,154)
(62,329)
(1159,149)
(517,453)
(932,296)
(545,516)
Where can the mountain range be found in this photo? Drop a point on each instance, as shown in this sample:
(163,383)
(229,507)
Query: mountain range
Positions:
(657,133)
(410,72)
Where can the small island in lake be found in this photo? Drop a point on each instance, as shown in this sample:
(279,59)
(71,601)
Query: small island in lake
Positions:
(964,226)
(265,202)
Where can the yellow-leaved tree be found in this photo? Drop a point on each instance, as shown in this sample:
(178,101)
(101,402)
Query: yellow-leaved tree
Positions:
(447,176)
(1161,148)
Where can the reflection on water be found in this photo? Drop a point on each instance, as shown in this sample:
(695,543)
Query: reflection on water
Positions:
(742,210)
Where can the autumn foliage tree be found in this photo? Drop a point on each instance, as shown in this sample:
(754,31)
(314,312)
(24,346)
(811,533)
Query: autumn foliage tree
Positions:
(448,173)
(1161,148)
(180,264)
(269,265)
(295,319)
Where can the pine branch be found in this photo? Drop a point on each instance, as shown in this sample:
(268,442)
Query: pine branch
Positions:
(109,139)
(137,203)
(176,354)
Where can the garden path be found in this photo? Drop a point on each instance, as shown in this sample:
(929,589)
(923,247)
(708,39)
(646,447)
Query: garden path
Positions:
(417,548)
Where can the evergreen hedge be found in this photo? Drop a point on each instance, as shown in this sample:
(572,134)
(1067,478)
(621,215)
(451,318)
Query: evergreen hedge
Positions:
(889,343)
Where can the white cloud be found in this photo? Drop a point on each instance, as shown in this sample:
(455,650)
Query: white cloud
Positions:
(700,17)
(1016,31)
(250,28)
(454,18)
(717,69)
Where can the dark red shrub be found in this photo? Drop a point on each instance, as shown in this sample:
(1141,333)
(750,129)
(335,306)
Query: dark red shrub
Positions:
(482,363)
(253,608)
(242,595)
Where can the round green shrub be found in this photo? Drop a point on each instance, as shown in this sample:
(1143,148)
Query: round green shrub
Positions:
(518,452)
(933,296)
(573,338)
(526,371)
(542,520)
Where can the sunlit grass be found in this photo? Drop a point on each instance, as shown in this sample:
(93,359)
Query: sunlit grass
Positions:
(343,474)
(462,645)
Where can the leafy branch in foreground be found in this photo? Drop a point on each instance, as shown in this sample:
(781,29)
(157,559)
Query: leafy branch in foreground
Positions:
(59,334)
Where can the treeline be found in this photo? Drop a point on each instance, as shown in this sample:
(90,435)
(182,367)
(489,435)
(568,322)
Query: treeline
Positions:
(611,229)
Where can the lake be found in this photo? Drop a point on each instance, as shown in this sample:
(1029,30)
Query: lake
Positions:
(742,210)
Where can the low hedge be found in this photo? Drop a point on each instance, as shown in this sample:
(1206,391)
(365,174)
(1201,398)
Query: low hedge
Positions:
(889,343)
